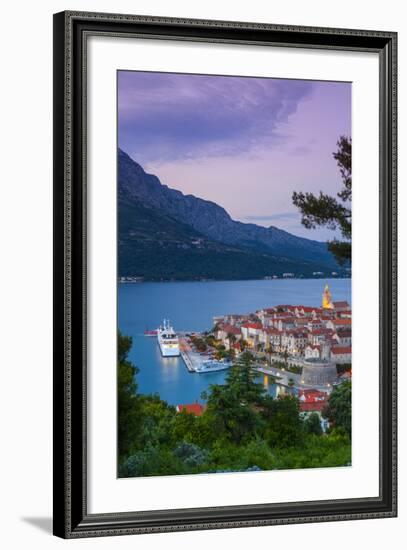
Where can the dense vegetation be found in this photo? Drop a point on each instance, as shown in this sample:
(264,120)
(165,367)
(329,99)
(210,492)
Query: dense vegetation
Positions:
(242,428)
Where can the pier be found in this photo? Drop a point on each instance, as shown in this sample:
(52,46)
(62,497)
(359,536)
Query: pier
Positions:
(191,358)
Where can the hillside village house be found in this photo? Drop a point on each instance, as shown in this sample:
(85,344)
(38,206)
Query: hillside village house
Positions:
(312,352)
(341,306)
(271,338)
(294,341)
(320,335)
(313,401)
(311,312)
(337,324)
(315,324)
(251,333)
(230,319)
(346,314)
(224,331)
(286,323)
(341,355)
(344,338)
(301,322)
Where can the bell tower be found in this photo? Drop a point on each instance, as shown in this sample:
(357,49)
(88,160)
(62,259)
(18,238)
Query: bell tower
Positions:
(327,298)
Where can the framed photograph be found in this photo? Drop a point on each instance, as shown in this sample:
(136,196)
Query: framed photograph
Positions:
(225,274)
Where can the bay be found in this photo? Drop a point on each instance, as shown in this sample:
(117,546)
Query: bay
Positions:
(191,306)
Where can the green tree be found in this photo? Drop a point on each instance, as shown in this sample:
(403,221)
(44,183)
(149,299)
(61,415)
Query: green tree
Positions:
(184,427)
(129,410)
(285,355)
(313,424)
(190,454)
(157,418)
(332,212)
(232,405)
(152,461)
(242,378)
(339,407)
(283,421)
(222,354)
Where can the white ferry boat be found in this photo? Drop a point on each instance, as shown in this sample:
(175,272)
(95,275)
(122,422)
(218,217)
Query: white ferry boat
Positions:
(212,366)
(168,340)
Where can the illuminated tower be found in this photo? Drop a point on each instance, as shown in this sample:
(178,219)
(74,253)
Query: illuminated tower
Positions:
(327,298)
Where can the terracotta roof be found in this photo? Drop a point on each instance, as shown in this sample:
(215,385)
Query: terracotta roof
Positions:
(339,350)
(312,395)
(341,304)
(252,325)
(342,321)
(195,408)
(322,331)
(346,375)
(272,331)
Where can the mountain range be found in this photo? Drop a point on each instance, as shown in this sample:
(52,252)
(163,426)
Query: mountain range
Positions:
(166,235)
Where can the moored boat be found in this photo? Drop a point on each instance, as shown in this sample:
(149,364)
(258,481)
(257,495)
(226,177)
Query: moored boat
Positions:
(211,365)
(150,332)
(168,340)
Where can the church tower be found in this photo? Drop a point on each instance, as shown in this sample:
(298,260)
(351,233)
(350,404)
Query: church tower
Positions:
(327,298)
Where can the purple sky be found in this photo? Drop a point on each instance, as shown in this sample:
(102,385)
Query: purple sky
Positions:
(244,143)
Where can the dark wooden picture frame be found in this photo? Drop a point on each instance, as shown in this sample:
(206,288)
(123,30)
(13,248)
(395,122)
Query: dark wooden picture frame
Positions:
(71,518)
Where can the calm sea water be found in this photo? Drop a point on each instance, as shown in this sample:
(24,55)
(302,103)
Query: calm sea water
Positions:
(190,306)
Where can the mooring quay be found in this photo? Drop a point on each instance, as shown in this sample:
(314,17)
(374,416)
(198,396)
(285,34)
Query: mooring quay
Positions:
(192,359)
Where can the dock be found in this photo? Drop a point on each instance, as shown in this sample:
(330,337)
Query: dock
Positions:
(191,359)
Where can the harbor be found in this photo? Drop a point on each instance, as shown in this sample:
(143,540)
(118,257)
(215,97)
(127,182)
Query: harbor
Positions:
(195,361)
(174,344)
(191,307)
(297,346)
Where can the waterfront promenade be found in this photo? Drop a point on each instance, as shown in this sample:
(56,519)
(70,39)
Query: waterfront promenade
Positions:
(191,358)
(283,378)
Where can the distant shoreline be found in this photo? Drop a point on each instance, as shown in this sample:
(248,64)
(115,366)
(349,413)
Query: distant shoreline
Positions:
(140,280)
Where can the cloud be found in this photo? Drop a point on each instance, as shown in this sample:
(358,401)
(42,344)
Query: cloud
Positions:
(176,116)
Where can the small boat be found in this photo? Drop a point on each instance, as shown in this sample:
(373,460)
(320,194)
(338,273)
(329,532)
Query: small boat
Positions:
(213,366)
(150,332)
